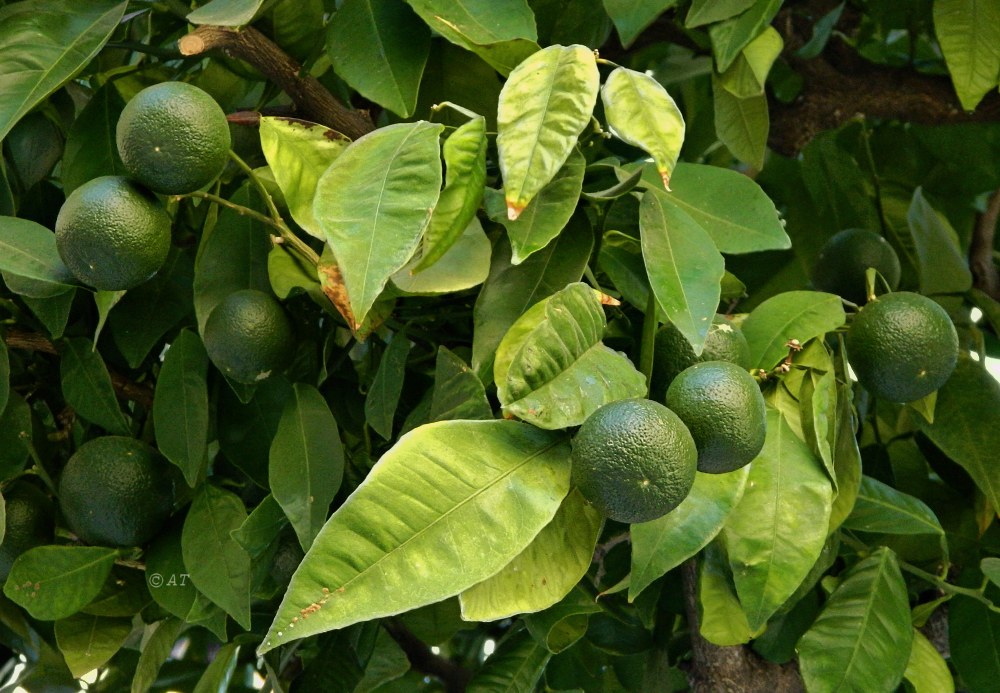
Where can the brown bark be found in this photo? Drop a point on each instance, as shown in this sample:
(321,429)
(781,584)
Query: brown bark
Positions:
(313,100)
(985,275)
(454,677)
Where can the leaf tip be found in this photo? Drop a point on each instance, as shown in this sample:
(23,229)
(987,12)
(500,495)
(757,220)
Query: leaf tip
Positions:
(665,177)
(514,210)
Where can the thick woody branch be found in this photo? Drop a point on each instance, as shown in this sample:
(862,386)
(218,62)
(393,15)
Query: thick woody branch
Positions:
(985,276)
(454,677)
(313,100)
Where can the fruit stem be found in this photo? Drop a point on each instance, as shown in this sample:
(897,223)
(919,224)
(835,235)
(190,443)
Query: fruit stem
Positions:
(649,325)
(39,469)
(279,223)
(239,209)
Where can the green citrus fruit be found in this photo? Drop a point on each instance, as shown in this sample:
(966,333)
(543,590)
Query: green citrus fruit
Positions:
(116,491)
(721,405)
(634,460)
(173,137)
(112,234)
(248,336)
(902,346)
(29,523)
(842,261)
(286,559)
(672,353)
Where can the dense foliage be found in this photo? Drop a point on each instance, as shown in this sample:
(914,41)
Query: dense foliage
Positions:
(475,217)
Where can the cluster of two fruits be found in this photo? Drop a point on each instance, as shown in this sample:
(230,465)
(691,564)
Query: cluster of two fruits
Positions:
(113,233)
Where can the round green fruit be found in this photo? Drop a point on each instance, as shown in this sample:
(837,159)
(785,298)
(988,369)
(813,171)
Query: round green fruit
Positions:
(29,523)
(843,260)
(248,336)
(672,352)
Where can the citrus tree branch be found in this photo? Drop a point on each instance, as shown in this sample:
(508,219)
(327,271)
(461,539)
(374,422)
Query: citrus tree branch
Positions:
(985,275)
(454,677)
(312,99)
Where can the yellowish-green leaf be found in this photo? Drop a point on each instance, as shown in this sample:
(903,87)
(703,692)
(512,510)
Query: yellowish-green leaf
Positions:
(968,32)
(746,76)
(742,124)
(88,642)
(464,265)
(927,671)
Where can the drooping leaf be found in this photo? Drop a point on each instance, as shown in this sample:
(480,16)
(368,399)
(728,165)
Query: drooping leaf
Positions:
(799,315)
(218,565)
(863,637)
(553,370)
(262,526)
(374,202)
(448,506)
(545,571)
(298,153)
(464,265)
(710,11)
(723,622)
(663,544)
(631,17)
(45,43)
(943,267)
(458,392)
(742,124)
(28,250)
(517,666)
(180,405)
(380,48)
(968,32)
(544,106)
(641,112)
(88,642)
(775,534)
(817,400)
(105,301)
(882,509)
(53,582)
(91,150)
(383,397)
(465,175)
(546,215)
(307,462)
(926,670)
(731,36)
(155,651)
(219,672)
(683,266)
(745,78)
(87,387)
(226,12)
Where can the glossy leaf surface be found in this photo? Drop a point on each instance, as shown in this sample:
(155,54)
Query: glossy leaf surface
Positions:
(799,315)
(180,405)
(53,582)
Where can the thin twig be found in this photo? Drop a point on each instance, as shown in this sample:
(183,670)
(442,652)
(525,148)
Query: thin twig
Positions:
(985,275)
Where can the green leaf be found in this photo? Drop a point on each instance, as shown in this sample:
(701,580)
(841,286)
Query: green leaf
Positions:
(53,582)
(218,565)
(87,387)
(799,315)
(415,533)
(631,17)
(247,429)
(458,392)
(552,369)
(967,425)
(105,301)
(968,32)
(262,526)
(298,153)
(745,78)
(465,176)
(180,405)
(155,650)
(501,32)
(775,534)
(817,399)
(546,215)
(621,259)
(545,571)
(91,150)
(730,206)
(383,397)
(882,509)
(723,622)
(219,672)
(943,267)
(544,106)
(232,256)
(510,289)
(863,637)
(4,376)
(742,124)
(45,43)
(226,12)
(846,453)
(641,112)
(926,670)
(683,265)
(15,433)
(88,642)
(730,37)
(974,642)
(663,544)
(380,48)
(561,625)
(516,666)
(28,250)
(307,462)
(465,265)
(991,569)
(374,203)
(710,11)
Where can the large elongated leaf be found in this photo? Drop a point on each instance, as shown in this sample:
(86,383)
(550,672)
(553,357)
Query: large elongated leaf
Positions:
(380,48)
(710,11)
(742,124)
(298,153)
(553,370)
(730,206)
(53,582)
(862,639)
(731,36)
(776,533)
(544,106)
(180,407)
(45,43)
(448,506)
(723,622)
(641,112)
(307,462)
(374,202)
(799,315)
(28,250)
(516,667)
(91,150)
(465,264)
(926,670)
(967,425)
(458,393)
(968,32)
(663,544)
(87,386)
(88,642)
(943,268)
(543,573)
(684,268)
(976,659)
(383,396)
(881,508)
